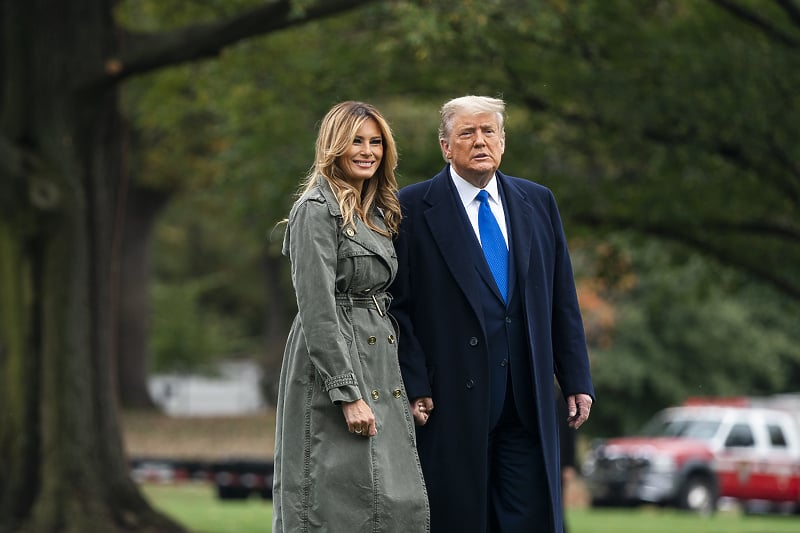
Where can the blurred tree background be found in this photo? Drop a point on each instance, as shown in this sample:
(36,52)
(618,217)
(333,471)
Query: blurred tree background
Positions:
(667,130)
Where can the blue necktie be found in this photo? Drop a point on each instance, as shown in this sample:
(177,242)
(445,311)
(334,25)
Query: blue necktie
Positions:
(493,243)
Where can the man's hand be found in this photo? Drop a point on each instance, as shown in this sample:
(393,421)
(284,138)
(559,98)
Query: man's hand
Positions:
(578,407)
(421,409)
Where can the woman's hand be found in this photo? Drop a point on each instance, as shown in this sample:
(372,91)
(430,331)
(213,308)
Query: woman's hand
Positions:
(360,419)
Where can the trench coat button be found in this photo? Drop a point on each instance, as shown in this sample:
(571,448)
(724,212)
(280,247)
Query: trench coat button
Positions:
(350,232)
(508,320)
(372,339)
(375,394)
(504,362)
(391,339)
(397,393)
(470,383)
(473,341)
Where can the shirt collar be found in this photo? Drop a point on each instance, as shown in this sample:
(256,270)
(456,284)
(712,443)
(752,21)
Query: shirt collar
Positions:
(468,191)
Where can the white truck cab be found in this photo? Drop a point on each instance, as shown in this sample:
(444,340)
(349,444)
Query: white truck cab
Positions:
(690,456)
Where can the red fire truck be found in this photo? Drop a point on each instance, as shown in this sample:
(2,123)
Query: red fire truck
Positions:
(745,449)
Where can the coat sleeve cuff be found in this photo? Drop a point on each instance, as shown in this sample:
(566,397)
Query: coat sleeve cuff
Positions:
(343,388)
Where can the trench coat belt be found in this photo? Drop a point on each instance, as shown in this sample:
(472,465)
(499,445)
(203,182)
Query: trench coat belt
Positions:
(379,301)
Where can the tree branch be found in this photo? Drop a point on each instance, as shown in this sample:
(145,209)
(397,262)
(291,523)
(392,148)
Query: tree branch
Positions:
(744,262)
(753,19)
(792,10)
(759,269)
(150,52)
(732,153)
(757,227)
(736,155)
(792,187)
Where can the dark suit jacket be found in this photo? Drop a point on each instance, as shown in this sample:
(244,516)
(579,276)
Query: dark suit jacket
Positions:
(442,338)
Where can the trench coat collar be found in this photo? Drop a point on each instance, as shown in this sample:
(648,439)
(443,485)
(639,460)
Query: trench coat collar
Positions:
(330,198)
(360,233)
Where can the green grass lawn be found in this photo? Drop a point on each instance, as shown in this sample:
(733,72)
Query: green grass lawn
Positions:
(654,520)
(196,506)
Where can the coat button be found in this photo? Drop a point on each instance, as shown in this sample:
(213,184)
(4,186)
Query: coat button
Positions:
(350,232)
(375,395)
(473,341)
(504,362)
(397,393)
(391,339)
(470,383)
(372,339)
(508,320)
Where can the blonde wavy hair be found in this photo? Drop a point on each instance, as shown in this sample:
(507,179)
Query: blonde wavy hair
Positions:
(336,134)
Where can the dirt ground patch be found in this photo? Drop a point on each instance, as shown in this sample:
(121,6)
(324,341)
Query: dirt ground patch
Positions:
(147,434)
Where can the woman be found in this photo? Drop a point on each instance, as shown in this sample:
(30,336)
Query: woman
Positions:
(345,454)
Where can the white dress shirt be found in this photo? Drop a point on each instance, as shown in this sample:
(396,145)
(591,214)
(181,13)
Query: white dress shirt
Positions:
(468,192)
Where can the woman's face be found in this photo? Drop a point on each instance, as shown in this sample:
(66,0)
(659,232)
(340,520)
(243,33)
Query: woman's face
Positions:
(363,157)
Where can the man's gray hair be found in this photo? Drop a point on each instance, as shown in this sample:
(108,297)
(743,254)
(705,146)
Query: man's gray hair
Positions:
(470,104)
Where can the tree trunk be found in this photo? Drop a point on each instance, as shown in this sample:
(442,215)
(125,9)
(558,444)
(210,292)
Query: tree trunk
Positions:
(19,384)
(62,468)
(59,439)
(133,331)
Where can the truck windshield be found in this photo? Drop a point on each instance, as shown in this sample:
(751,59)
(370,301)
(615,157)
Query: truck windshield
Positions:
(662,426)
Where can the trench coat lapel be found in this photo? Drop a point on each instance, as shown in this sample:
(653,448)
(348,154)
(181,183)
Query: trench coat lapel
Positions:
(452,238)
(361,234)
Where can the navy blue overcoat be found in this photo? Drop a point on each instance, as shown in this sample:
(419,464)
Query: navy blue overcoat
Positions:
(442,340)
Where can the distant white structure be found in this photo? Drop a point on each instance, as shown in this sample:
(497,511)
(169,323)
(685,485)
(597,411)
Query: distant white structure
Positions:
(234,391)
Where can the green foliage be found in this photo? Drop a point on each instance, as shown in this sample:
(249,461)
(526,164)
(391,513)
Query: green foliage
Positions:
(674,121)
(208,296)
(163,15)
(690,327)
(186,337)
(234,138)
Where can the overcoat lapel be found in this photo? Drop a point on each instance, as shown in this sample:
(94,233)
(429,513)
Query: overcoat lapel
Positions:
(451,237)
(518,216)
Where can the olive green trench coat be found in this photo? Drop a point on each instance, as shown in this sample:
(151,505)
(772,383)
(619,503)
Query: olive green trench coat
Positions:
(342,346)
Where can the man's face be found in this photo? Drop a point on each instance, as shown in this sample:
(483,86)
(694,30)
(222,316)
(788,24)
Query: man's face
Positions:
(475,147)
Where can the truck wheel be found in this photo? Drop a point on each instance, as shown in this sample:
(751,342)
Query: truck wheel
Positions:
(699,494)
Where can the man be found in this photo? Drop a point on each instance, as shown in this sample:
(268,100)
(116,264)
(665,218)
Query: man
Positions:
(487,312)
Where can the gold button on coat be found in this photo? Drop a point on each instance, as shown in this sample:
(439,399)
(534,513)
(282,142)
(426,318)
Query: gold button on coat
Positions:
(375,395)
(350,232)
(397,393)
(391,339)
(372,339)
